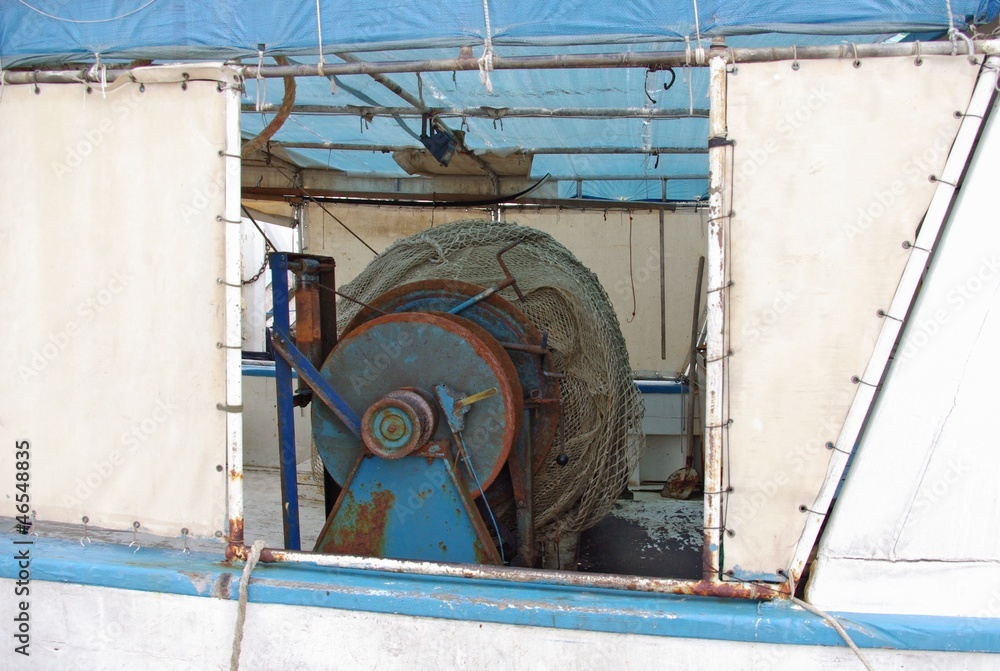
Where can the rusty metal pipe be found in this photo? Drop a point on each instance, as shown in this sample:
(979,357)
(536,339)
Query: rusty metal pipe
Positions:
(513,151)
(713,588)
(718,220)
(519,347)
(659,59)
(485,112)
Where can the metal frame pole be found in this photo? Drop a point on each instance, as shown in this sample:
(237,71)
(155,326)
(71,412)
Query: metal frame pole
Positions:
(514,151)
(635,59)
(715,354)
(495,113)
(286,407)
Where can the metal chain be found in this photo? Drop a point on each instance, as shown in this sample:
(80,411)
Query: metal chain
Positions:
(258,273)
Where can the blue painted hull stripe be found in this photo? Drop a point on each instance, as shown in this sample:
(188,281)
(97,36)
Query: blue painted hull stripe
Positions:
(540,605)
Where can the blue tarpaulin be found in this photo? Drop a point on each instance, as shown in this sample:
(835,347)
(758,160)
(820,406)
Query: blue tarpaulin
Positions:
(191,29)
(50,32)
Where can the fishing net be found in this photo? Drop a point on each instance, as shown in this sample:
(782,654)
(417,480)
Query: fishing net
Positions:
(601,407)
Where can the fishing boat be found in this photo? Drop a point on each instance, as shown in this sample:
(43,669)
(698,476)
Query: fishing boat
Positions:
(499,335)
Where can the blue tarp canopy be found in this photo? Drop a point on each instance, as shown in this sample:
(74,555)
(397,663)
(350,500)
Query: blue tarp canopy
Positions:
(51,32)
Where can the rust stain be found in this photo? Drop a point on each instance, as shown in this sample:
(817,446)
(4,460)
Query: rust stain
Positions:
(235,475)
(235,549)
(221,587)
(364,533)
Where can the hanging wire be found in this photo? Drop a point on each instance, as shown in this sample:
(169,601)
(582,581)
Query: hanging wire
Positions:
(320,204)
(482,492)
(697,25)
(631,275)
(59,18)
(688,74)
(319,33)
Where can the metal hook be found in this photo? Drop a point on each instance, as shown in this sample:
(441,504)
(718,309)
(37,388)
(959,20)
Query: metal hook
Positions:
(135,539)
(645,86)
(184,535)
(510,281)
(85,536)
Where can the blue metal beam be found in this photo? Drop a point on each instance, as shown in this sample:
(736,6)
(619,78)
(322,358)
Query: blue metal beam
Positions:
(312,377)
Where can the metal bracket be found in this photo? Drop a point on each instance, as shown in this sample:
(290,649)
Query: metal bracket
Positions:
(312,377)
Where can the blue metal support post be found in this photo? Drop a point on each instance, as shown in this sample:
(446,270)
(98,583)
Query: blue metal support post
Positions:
(286,408)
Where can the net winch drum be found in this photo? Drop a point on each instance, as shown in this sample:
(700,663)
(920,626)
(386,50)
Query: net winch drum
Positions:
(496,406)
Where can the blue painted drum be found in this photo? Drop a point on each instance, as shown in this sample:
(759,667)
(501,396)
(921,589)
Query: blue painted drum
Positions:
(418,351)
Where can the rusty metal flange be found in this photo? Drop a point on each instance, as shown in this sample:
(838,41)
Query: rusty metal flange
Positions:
(398,423)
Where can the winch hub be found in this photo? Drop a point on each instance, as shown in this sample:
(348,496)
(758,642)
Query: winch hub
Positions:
(398,423)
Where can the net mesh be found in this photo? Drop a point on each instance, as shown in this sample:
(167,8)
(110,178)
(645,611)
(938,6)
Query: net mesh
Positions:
(601,407)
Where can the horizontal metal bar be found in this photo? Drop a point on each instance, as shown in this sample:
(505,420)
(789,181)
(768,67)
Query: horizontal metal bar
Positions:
(510,151)
(745,590)
(652,59)
(491,112)
(624,178)
(393,199)
(593,204)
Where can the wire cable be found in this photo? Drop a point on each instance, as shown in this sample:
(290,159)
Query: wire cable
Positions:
(468,463)
(64,20)
(250,217)
(331,214)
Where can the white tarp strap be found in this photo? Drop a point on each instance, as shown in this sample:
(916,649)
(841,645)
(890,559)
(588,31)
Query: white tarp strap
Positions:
(486,60)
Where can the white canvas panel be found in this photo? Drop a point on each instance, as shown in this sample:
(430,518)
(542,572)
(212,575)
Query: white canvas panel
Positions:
(831,176)
(946,589)
(110,260)
(930,434)
(600,240)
